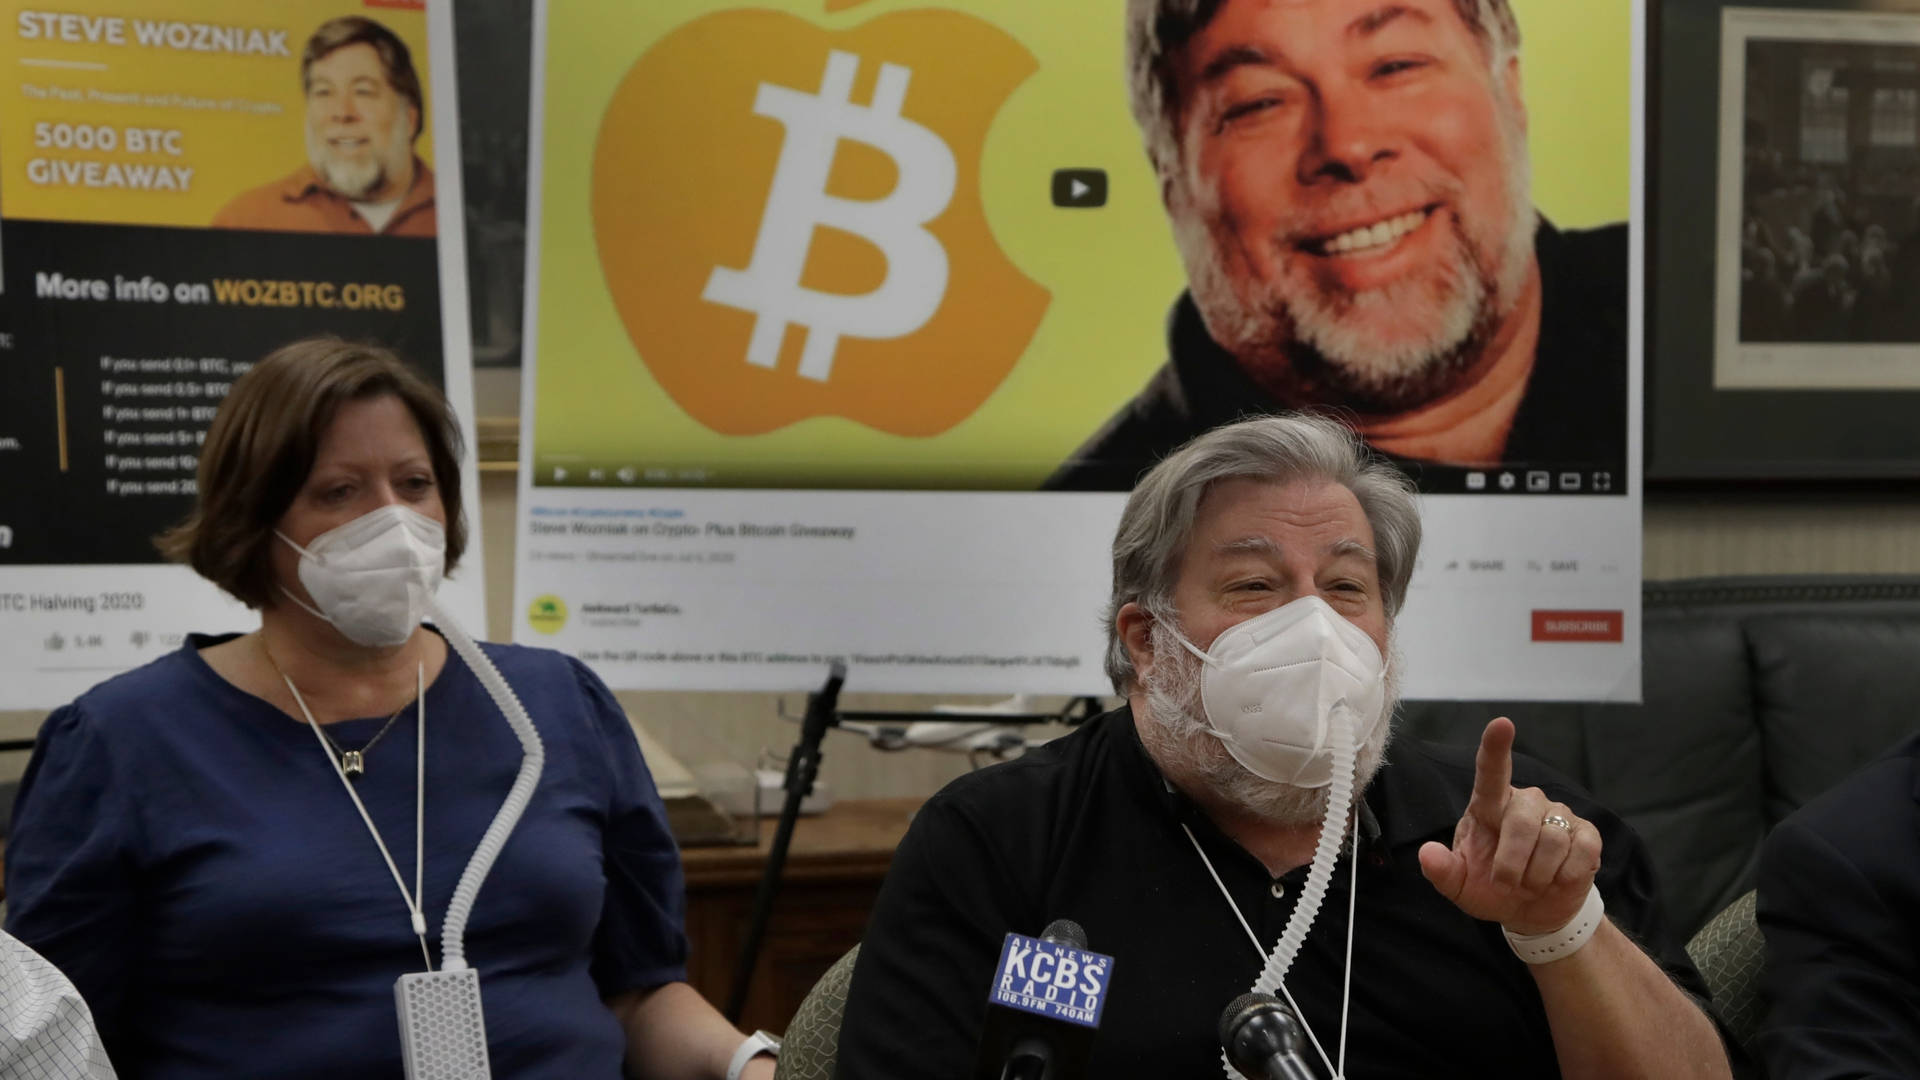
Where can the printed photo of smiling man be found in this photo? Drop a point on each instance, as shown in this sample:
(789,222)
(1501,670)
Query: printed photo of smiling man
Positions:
(364,114)
(1349,187)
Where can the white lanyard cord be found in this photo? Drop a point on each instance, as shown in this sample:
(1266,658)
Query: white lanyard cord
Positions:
(1346,988)
(1346,995)
(1208,863)
(420,812)
(418,918)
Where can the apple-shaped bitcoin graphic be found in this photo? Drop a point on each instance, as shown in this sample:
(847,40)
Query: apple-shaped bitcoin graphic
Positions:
(790,225)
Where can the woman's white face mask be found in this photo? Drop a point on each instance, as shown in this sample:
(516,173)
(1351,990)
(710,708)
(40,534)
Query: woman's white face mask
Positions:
(1271,686)
(372,577)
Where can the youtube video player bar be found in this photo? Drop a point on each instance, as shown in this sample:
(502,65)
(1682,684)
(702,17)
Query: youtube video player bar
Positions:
(1520,479)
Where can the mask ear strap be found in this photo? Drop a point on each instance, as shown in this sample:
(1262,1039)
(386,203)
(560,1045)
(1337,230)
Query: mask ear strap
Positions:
(1190,646)
(304,553)
(303,605)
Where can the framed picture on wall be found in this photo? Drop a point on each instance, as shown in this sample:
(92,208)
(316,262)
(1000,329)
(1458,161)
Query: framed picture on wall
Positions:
(1784,258)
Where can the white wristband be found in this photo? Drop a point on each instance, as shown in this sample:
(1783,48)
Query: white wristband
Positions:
(751,1047)
(1564,942)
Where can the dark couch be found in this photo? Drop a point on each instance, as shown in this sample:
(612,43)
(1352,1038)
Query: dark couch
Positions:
(1759,693)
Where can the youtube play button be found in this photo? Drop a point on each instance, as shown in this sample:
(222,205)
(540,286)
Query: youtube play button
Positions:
(1080,189)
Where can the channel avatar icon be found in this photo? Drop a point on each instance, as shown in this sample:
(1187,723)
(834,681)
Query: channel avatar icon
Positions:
(790,224)
(547,614)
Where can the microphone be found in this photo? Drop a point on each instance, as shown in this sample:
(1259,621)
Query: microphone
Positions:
(1262,1038)
(1043,1007)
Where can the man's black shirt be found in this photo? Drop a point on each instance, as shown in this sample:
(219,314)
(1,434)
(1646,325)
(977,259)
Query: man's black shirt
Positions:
(1084,828)
(1572,417)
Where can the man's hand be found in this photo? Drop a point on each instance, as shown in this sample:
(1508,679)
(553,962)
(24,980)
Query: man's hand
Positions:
(1507,865)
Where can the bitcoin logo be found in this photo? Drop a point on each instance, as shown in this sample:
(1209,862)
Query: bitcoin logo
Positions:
(791,225)
(798,205)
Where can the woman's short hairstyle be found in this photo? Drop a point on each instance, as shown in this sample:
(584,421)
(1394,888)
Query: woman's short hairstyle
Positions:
(1159,518)
(261,447)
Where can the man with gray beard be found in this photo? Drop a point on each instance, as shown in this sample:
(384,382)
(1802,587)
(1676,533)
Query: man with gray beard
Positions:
(1349,189)
(1482,914)
(364,114)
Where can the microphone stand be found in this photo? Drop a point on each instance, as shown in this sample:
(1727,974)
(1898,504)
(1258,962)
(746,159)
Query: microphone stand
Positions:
(803,768)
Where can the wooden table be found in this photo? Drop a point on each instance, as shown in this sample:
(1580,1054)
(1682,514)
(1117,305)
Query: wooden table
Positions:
(832,876)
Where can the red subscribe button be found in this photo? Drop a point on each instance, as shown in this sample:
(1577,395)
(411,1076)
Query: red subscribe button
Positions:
(1579,625)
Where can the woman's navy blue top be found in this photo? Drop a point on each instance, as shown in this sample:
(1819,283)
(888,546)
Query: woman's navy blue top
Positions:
(185,853)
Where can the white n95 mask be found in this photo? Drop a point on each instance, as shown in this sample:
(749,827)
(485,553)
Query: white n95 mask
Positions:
(1272,685)
(372,577)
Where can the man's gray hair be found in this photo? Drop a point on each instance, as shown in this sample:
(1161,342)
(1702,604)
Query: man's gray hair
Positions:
(1158,29)
(1158,521)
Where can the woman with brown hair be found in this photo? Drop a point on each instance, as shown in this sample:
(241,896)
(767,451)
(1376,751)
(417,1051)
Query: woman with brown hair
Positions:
(237,850)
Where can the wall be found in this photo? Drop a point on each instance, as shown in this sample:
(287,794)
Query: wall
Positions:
(1839,533)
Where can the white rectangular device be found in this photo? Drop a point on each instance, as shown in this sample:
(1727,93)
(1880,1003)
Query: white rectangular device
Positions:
(443,1035)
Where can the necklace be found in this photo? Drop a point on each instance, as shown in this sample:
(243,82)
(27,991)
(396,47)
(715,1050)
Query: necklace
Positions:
(415,899)
(352,762)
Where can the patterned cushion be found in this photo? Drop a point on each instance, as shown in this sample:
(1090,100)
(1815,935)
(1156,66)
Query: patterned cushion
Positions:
(812,1041)
(1728,951)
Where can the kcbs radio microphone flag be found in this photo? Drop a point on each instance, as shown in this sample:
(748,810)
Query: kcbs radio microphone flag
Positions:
(1044,1006)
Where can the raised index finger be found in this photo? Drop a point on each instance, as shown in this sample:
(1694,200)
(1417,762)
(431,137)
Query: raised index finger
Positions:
(1493,773)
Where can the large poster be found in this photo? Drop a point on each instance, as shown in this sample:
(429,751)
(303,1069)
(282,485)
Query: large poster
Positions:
(851,320)
(184,186)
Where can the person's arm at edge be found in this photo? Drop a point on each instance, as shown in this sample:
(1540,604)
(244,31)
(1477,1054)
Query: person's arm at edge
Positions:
(675,1034)
(1838,1002)
(69,895)
(49,1028)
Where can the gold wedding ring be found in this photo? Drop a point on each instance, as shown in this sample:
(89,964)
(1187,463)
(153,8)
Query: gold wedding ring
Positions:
(1557,822)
